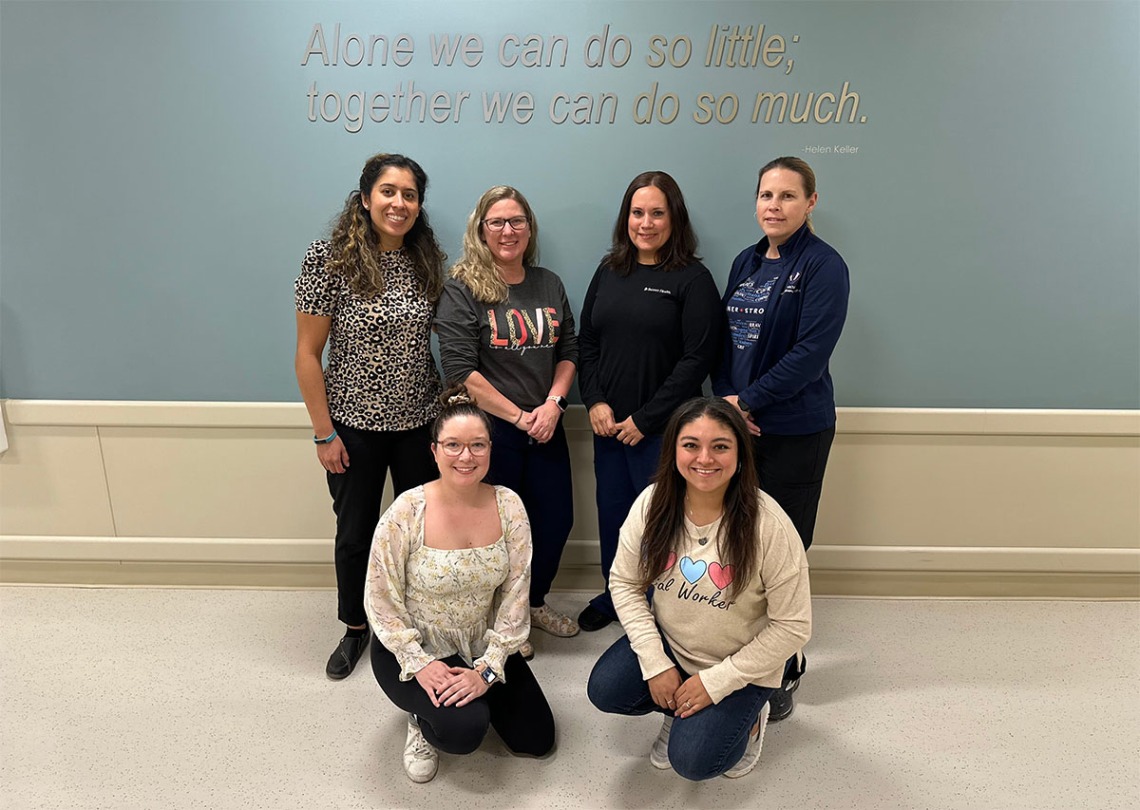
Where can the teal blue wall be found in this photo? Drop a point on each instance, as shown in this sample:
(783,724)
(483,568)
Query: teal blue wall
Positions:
(160,180)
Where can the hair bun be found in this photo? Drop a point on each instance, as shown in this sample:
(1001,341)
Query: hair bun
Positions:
(456,396)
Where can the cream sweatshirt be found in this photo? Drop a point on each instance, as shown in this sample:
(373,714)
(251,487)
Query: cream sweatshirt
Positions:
(731,641)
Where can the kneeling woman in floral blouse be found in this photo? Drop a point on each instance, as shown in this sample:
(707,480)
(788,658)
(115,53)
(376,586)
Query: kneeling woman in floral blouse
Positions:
(448,599)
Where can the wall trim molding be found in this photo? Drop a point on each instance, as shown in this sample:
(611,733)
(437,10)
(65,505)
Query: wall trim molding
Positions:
(898,421)
(97,492)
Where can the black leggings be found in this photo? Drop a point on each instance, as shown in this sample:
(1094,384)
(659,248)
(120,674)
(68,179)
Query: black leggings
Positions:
(515,707)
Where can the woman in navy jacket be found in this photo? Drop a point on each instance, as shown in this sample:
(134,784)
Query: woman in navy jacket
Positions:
(785,302)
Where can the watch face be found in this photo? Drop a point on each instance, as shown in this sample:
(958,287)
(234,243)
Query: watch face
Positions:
(488,676)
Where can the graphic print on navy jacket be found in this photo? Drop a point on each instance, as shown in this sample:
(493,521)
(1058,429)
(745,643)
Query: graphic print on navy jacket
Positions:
(516,343)
(783,375)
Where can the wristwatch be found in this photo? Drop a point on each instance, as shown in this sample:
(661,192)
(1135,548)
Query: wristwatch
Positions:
(740,403)
(488,675)
(559,401)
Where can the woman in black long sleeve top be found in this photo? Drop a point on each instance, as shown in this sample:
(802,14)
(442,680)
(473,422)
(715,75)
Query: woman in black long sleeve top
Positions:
(649,334)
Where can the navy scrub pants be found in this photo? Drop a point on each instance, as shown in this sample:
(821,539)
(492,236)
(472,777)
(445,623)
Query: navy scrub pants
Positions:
(540,475)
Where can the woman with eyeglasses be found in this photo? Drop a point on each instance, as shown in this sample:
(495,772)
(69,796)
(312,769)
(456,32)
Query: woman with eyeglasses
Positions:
(368,293)
(506,332)
(447,596)
(650,332)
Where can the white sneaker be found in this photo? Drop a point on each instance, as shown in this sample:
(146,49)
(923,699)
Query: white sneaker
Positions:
(421,760)
(752,752)
(659,754)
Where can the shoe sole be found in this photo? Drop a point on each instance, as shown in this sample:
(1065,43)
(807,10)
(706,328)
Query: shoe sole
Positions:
(554,632)
(763,727)
(772,718)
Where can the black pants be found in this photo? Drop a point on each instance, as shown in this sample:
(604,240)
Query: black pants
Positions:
(540,475)
(791,471)
(515,707)
(357,493)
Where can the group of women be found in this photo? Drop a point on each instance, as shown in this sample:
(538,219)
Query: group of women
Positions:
(705,572)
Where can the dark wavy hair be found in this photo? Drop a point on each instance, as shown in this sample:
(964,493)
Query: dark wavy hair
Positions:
(665,519)
(355,248)
(681,247)
(458,401)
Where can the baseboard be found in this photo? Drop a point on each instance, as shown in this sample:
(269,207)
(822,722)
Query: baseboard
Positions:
(836,570)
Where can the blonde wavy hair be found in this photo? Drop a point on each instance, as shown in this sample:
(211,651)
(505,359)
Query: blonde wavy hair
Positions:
(476,267)
(355,247)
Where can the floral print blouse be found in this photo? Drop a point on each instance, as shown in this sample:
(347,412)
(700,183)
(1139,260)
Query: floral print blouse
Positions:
(426,603)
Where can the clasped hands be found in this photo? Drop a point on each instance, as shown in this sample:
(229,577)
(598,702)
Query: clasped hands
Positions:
(450,686)
(540,423)
(603,424)
(683,699)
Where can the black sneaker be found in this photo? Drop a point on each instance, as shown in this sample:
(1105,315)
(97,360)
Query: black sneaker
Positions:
(343,660)
(781,705)
(591,619)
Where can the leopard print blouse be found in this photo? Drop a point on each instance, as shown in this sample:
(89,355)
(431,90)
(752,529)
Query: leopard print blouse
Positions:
(381,374)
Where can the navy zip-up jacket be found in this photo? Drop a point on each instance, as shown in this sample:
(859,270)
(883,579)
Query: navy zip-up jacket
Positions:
(791,392)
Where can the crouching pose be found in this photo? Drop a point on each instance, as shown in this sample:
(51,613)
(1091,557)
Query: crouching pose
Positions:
(730,599)
(447,597)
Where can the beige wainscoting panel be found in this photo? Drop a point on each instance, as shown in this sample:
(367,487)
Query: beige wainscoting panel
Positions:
(216,482)
(982,490)
(917,502)
(51,482)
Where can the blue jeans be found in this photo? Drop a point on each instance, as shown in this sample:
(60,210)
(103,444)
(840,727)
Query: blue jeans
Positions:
(621,472)
(702,746)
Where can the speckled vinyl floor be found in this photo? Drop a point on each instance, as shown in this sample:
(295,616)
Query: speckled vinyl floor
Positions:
(195,698)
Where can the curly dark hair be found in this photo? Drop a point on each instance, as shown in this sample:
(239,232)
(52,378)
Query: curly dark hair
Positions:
(355,248)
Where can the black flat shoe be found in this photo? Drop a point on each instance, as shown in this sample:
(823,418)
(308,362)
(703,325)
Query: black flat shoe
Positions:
(343,660)
(591,619)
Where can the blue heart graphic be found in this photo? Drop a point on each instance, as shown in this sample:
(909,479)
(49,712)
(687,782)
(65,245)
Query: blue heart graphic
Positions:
(693,570)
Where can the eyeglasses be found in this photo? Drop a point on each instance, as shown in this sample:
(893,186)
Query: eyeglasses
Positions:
(453,448)
(516,223)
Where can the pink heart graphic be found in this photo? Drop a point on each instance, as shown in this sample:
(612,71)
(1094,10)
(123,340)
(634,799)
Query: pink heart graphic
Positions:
(669,563)
(721,576)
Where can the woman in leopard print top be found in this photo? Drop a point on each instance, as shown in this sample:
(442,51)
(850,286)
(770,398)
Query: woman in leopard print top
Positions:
(369,293)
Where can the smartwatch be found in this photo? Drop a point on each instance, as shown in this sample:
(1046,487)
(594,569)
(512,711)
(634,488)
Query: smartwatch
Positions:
(559,401)
(488,675)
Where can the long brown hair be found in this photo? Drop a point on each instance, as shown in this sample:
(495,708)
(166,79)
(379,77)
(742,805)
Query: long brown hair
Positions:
(355,248)
(665,519)
(681,247)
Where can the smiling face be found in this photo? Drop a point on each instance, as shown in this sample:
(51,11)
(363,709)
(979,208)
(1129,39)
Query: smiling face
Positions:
(782,206)
(707,455)
(649,224)
(466,436)
(508,246)
(393,205)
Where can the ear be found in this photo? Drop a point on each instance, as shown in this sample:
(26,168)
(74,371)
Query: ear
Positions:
(812,200)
